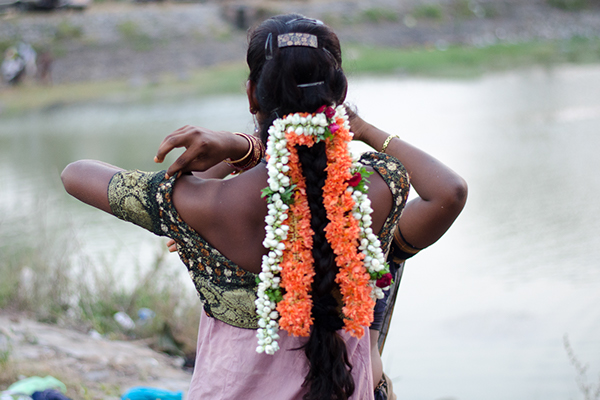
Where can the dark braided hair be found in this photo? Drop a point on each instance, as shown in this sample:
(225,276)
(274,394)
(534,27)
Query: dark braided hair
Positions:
(277,72)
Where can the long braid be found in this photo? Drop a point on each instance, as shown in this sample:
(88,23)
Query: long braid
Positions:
(276,79)
(329,374)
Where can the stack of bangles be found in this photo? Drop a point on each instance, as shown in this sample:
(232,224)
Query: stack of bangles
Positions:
(255,153)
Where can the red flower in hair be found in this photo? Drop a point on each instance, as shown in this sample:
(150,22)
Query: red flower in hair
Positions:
(355,180)
(384,281)
(329,112)
(321,109)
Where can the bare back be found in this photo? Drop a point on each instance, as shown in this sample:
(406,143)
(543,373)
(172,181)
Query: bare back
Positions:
(230,213)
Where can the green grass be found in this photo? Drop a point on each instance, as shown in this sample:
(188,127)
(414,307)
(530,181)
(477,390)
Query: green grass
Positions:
(569,5)
(5,352)
(428,11)
(467,61)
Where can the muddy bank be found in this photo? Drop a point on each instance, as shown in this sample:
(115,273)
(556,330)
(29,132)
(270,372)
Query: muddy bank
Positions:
(139,42)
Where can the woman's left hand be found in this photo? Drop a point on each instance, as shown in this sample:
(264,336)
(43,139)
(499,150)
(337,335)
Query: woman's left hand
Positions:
(204,148)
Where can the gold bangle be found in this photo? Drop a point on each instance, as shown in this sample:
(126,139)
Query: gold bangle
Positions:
(387,142)
(250,148)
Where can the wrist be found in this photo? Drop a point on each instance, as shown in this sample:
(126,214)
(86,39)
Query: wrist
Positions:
(358,128)
(253,151)
(239,148)
(387,142)
(369,134)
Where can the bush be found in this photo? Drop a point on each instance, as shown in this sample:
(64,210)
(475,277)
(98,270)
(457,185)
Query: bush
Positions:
(428,11)
(568,5)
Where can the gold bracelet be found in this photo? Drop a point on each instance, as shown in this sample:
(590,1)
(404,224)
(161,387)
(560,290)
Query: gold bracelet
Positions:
(250,148)
(387,142)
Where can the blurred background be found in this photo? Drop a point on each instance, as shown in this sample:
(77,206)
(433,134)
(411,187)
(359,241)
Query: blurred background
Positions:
(505,92)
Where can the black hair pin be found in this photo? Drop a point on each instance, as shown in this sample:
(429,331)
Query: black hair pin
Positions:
(269,47)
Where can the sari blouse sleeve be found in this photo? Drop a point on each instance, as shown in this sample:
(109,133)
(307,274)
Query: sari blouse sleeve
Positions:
(132,196)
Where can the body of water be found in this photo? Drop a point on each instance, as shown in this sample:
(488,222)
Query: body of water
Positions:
(483,313)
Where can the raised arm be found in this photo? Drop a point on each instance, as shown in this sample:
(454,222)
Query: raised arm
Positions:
(87,180)
(442,192)
(204,151)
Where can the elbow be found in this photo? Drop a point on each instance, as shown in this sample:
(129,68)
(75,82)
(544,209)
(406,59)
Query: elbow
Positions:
(461,191)
(88,180)
(455,196)
(69,176)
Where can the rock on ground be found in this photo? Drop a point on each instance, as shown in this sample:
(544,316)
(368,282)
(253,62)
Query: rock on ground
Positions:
(99,364)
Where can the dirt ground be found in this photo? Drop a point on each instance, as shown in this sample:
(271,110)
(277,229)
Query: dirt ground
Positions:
(105,368)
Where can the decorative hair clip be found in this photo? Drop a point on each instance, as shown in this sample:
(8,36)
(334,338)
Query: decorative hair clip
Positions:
(305,85)
(297,39)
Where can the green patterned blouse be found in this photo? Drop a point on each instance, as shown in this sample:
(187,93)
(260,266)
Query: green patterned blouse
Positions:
(226,290)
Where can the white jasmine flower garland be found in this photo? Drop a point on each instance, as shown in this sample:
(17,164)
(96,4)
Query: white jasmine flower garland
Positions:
(279,193)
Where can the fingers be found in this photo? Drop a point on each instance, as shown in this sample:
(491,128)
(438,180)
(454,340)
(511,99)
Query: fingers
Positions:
(172,141)
(180,163)
(187,161)
(203,149)
(182,137)
(172,246)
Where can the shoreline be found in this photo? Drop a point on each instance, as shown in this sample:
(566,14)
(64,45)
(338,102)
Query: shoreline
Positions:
(149,51)
(456,62)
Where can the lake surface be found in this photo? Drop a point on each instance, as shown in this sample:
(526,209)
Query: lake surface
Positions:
(483,313)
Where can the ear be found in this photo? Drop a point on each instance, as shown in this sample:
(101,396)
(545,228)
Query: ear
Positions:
(252,100)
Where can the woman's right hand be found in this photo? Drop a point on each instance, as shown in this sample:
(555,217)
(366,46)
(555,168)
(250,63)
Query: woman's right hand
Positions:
(172,246)
(204,148)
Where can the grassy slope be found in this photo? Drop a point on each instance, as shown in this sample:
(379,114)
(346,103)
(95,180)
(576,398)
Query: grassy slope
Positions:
(455,61)
(462,61)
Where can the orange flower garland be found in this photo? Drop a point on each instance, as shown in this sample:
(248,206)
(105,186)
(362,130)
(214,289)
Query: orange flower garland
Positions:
(343,234)
(289,263)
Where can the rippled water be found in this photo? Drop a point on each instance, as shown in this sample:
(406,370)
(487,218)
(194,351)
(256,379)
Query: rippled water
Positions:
(481,314)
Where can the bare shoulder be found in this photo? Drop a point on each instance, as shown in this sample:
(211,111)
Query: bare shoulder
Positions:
(205,201)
